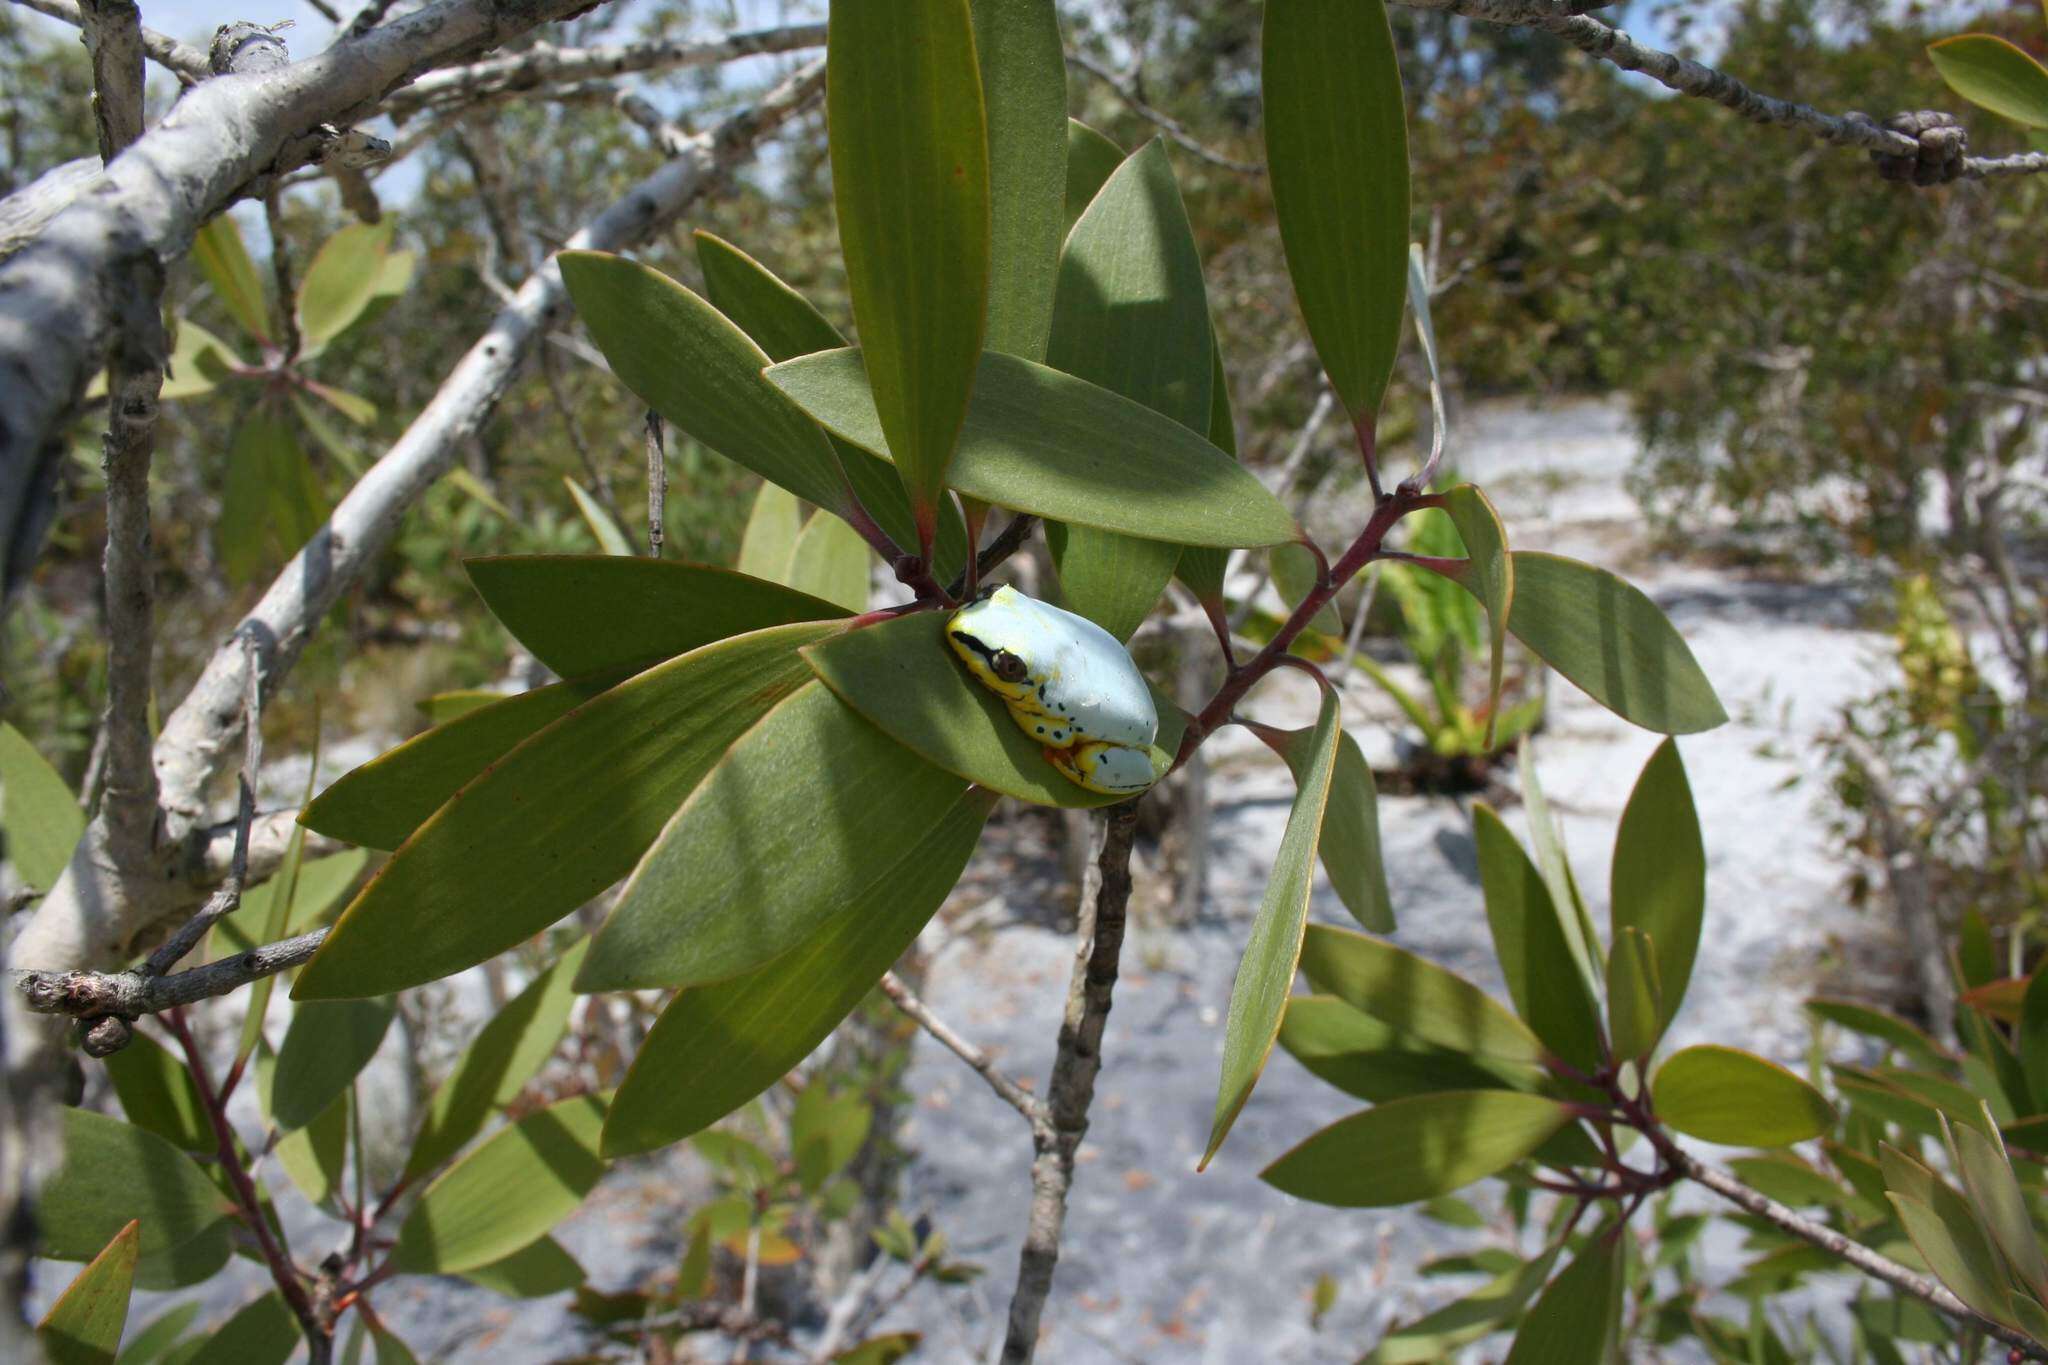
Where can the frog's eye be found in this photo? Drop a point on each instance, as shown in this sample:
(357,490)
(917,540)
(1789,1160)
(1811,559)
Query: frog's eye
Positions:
(1008,666)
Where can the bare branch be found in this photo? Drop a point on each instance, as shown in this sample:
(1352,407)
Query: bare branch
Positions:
(1074,1068)
(657,483)
(113,38)
(1855,1253)
(1174,129)
(182,59)
(544,64)
(85,995)
(1013,1094)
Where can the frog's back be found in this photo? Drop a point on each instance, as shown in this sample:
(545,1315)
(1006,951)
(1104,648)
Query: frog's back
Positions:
(1092,673)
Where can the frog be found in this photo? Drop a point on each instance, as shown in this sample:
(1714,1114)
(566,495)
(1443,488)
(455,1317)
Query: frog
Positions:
(1067,683)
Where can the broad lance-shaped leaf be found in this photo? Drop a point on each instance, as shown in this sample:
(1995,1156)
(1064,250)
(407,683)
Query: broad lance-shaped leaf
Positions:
(767,1021)
(1415,995)
(1201,566)
(1990,72)
(1579,1316)
(1660,875)
(1634,1018)
(262,1332)
(910,182)
(382,803)
(1091,160)
(2000,1203)
(1416,1148)
(1265,975)
(2033,1035)
(610,539)
(1297,572)
(904,677)
(785,325)
(341,279)
(225,262)
(1131,315)
(1722,1094)
(314,890)
(1350,845)
(773,525)
(1048,443)
(811,802)
(1529,938)
(1437,1336)
(464,1219)
(83,1327)
(1369,1059)
(830,562)
(533,1272)
(38,813)
(686,360)
(315,1155)
(1548,842)
(1024,85)
(157,1093)
(1489,575)
(506,1053)
(327,1044)
(115,1173)
(1337,158)
(557,820)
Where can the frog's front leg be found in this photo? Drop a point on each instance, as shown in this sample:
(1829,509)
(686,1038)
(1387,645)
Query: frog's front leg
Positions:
(1054,732)
(1114,769)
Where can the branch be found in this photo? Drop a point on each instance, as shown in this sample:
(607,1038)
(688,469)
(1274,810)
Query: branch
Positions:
(1013,1094)
(113,38)
(85,995)
(1871,1263)
(181,59)
(1562,19)
(1073,1080)
(544,64)
(92,918)
(1174,129)
(214,145)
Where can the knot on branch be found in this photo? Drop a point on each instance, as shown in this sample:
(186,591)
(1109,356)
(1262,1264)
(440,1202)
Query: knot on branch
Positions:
(76,993)
(105,1036)
(243,48)
(1939,157)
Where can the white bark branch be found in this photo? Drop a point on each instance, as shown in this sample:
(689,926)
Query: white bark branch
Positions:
(181,59)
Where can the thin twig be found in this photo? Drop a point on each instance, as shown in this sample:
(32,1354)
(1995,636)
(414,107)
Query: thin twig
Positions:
(1174,129)
(281,274)
(1007,542)
(657,482)
(1013,1094)
(1072,1089)
(84,995)
(188,63)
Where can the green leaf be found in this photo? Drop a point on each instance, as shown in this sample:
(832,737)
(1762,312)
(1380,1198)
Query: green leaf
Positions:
(1634,997)
(603,529)
(534,1271)
(1535,957)
(1048,443)
(315,1154)
(1993,74)
(1374,1061)
(1416,1148)
(770,537)
(1548,842)
(390,1350)
(1489,575)
(464,1219)
(115,1173)
(313,891)
(1790,1181)
(148,1345)
(2000,1204)
(327,1044)
(1201,566)
(505,1054)
(38,813)
(263,1332)
(1611,640)
(380,804)
(1959,1257)
(1024,83)
(1091,160)
(1296,573)
(363,412)
(84,1325)
(585,614)
(1265,975)
(199,360)
(221,257)
(785,325)
(1350,846)
(1337,157)
(1132,316)
(443,707)
(826,1131)
(768,1020)
(344,275)
(1437,1336)
(272,503)
(1721,1094)
(687,361)
(555,821)
(1414,995)
(1659,881)
(1579,1316)
(157,1093)
(1875,1023)
(804,810)
(910,182)
(902,675)
(830,562)
(2032,1042)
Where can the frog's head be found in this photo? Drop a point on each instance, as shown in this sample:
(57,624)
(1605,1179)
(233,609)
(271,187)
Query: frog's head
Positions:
(1000,636)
